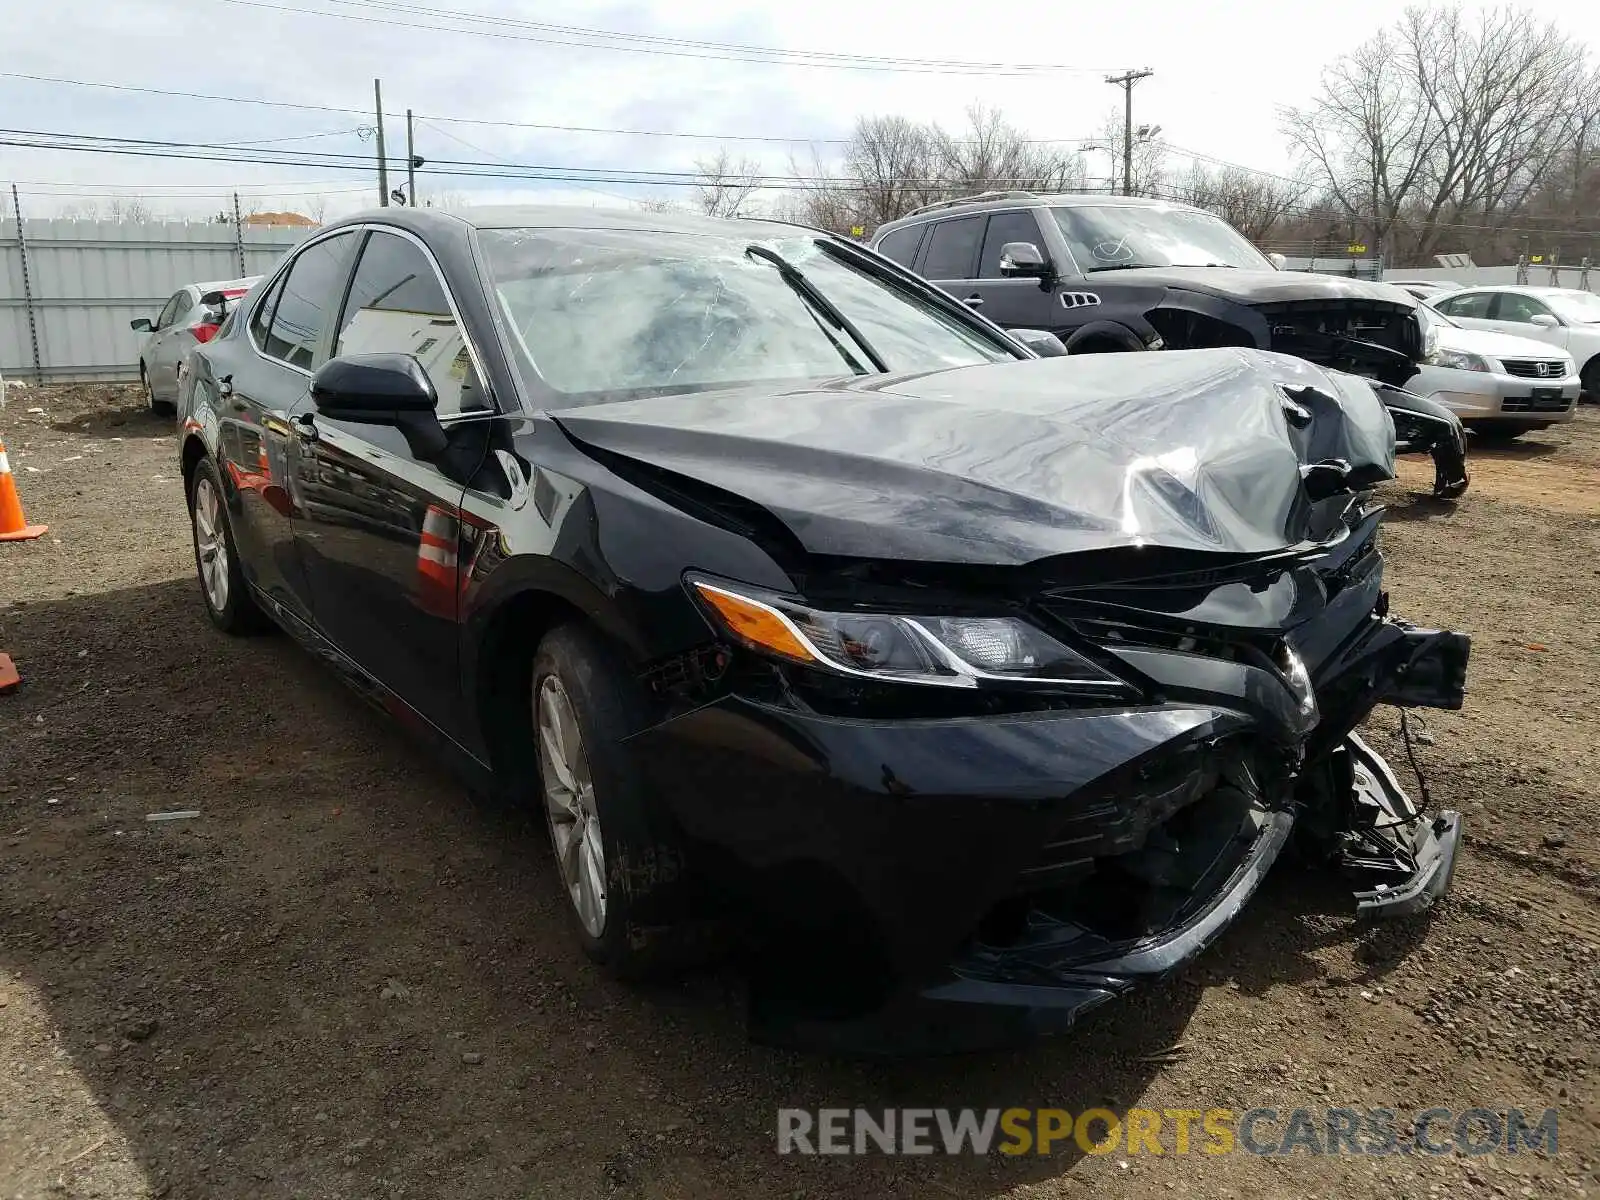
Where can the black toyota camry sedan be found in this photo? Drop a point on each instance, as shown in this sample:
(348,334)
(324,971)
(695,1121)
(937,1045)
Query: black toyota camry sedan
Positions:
(967,685)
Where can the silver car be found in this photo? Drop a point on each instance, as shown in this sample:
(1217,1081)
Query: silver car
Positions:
(1498,384)
(185,322)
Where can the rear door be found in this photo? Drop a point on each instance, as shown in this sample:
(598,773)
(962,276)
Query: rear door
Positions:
(1470,309)
(263,386)
(381,529)
(949,255)
(1012,303)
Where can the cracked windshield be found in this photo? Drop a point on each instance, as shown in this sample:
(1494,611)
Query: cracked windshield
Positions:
(602,313)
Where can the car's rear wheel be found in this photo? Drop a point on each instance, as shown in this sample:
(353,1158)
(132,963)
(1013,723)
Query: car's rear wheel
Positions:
(216,558)
(621,863)
(161,408)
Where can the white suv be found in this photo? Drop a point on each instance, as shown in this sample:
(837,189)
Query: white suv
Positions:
(1562,317)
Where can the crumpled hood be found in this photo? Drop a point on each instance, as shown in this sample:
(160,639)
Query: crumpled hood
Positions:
(1013,462)
(1257,287)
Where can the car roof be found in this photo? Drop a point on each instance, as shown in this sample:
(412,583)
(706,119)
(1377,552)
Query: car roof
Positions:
(573,216)
(1521,289)
(986,201)
(227,285)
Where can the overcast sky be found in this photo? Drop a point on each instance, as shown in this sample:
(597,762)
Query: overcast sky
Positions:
(1221,72)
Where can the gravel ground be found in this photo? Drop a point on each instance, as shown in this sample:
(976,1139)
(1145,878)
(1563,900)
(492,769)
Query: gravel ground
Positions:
(344,979)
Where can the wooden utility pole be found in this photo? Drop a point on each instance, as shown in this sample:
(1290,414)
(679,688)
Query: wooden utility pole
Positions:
(1126,81)
(383,162)
(411,164)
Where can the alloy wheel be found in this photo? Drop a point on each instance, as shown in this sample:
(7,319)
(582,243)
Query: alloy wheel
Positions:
(211,544)
(570,804)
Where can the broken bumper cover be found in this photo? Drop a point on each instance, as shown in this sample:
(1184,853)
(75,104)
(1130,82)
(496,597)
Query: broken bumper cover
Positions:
(883,850)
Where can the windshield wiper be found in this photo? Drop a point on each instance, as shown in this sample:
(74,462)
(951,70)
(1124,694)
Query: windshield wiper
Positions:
(807,291)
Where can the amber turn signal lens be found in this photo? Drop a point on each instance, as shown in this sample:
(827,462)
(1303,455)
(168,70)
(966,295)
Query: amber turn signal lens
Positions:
(755,623)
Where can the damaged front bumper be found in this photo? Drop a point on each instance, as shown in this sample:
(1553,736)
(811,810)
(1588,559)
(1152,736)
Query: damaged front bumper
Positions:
(945,884)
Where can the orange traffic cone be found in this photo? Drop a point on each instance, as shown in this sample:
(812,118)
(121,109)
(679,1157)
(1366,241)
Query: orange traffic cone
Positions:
(14,526)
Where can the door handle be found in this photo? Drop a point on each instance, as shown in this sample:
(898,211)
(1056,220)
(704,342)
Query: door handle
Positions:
(973,301)
(305,426)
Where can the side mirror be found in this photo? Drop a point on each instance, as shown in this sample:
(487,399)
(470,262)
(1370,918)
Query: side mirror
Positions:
(1022,260)
(214,300)
(1278,261)
(140,325)
(1543,321)
(382,389)
(1041,341)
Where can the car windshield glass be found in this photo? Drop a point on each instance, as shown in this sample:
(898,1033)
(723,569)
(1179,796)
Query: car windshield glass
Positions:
(1432,316)
(1582,308)
(598,314)
(1104,237)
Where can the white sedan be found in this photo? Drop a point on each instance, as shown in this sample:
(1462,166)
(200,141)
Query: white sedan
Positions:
(192,316)
(1564,317)
(1499,385)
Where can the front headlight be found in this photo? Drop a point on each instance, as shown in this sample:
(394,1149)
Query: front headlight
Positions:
(943,651)
(1459,360)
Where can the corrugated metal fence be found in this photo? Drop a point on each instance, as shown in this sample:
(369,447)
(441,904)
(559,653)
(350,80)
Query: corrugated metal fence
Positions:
(69,288)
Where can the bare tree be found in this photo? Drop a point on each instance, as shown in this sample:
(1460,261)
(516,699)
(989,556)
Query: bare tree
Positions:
(1149,155)
(1254,204)
(725,187)
(128,208)
(1445,122)
(992,154)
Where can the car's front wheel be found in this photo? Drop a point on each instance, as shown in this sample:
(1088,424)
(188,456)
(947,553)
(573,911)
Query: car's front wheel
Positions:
(216,558)
(621,863)
(1589,380)
(161,408)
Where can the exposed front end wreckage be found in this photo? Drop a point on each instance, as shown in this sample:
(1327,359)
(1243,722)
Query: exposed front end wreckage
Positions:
(968,848)
(1338,324)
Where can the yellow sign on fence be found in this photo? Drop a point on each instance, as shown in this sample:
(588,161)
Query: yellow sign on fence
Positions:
(1356,248)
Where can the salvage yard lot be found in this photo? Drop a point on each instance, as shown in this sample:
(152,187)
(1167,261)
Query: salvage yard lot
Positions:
(346,979)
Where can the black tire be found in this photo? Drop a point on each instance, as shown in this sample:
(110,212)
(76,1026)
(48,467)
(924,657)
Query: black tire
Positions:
(161,408)
(647,930)
(235,611)
(1589,381)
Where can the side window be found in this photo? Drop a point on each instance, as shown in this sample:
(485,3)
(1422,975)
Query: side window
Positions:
(397,304)
(953,248)
(177,304)
(306,300)
(1515,307)
(1007,227)
(1474,305)
(261,319)
(901,245)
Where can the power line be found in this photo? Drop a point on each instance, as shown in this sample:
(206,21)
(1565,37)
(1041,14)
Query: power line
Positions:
(543,126)
(761,55)
(548,173)
(739,48)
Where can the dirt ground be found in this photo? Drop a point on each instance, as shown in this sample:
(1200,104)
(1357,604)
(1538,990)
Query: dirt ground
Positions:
(344,979)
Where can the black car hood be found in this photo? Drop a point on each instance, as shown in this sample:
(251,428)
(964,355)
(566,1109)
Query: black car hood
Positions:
(1013,462)
(1255,287)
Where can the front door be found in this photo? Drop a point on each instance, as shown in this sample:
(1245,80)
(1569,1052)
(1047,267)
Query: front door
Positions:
(1514,313)
(166,346)
(380,532)
(1013,303)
